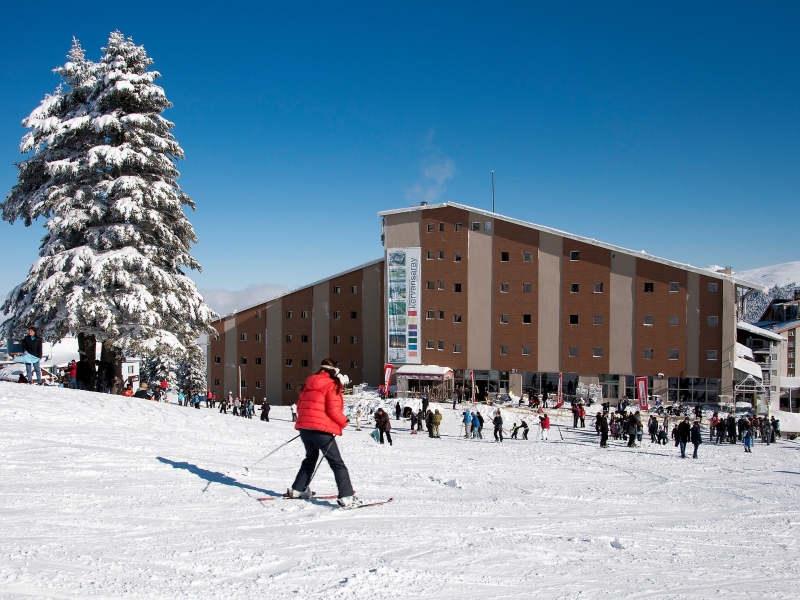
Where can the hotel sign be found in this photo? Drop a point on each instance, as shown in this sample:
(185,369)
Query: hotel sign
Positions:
(404,276)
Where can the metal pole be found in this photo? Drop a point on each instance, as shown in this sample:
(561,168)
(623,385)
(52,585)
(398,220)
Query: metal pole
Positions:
(240,382)
(492,191)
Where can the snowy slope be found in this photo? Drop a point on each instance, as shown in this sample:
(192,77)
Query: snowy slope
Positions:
(107,497)
(774,275)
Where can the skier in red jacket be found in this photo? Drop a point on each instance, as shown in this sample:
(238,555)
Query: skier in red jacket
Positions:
(544,421)
(320,418)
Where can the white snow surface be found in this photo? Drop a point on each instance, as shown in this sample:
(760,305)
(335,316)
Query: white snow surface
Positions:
(774,275)
(109,497)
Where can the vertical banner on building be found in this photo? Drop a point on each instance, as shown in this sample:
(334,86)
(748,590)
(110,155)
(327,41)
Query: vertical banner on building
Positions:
(404,333)
(560,398)
(472,384)
(641,392)
(387,376)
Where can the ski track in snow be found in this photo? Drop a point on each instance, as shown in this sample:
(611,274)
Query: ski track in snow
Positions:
(111,497)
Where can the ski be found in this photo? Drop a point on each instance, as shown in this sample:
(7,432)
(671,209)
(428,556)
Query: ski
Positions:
(365,505)
(315,497)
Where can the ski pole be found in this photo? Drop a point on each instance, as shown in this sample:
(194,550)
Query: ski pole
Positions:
(247,469)
(324,455)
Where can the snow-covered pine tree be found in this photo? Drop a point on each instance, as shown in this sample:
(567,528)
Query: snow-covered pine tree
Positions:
(161,366)
(192,372)
(112,265)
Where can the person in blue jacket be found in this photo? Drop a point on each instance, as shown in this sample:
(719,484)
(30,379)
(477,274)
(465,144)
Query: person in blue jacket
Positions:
(467,424)
(476,426)
(32,344)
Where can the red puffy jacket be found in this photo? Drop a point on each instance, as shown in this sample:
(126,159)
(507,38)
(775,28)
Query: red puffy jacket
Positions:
(320,406)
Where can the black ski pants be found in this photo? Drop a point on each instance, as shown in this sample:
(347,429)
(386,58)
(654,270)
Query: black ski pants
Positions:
(388,436)
(603,439)
(314,442)
(498,431)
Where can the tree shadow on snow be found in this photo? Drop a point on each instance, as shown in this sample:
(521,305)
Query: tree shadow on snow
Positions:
(214,476)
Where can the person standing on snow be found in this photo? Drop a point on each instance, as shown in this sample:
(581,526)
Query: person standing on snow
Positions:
(397,410)
(437,420)
(294,412)
(544,422)
(383,424)
(413,419)
(498,427)
(695,437)
(320,418)
(468,424)
(265,411)
(524,427)
(602,422)
(360,415)
(683,434)
(236,405)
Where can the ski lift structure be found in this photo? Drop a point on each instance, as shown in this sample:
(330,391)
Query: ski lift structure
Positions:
(750,387)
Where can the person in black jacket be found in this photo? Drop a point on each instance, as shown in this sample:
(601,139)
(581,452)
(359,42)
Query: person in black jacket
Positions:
(32,344)
(498,427)
(265,411)
(695,437)
(684,433)
(83,373)
(602,422)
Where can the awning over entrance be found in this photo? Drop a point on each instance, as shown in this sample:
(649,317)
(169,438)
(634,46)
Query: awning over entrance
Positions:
(425,372)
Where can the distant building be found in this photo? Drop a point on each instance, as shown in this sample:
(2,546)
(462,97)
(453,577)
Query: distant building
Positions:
(514,303)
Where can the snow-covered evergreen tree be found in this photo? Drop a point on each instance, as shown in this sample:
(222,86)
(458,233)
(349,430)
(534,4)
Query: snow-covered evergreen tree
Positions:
(192,372)
(102,172)
(155,368)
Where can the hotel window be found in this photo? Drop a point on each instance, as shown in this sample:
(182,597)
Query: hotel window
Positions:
(304,338)
(574,255)
(288,314)
(441,344)
(674,286)
(476,226)
(353,339)
(672,354)
(597,353)
(712,355)
(243,337)
(429,314)
(504,319)
(441,226)
(573,319)
(441,315)
(288,387)
(289,338)
(288,362)
(456,348)
(258,360)
(648,287)
(526,319)
(457,227)
(336,314)
(487,226)
(441,285)
(673,321)
(337,289)
(431,227)
(429,344)
(648,354)
(712,287)
(429,255)
(217,360)
(353,289)
(216,382)
(504,350)
(648,320)
(303,363)
(598,288)
(598,320)
(304,314)
(130,368)
(244,360)
(457,288)
(457,257)
(503,288)
(258,337)
(527,257)
(456,318)
(429,284)
(713,321)
(504,257)
(526,288)
(337,339)
(573,288)
(353,314)
(526,351)
(573,351)
(258,385)
(244,383)
(354,365)
(258,314)
(441,254)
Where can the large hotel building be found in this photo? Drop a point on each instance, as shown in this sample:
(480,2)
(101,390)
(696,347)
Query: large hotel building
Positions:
(513,302)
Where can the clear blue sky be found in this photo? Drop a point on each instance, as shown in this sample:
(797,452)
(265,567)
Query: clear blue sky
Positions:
(672,128)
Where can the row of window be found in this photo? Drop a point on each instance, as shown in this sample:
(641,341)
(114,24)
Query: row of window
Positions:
(304,315)
(243,337)
(476,226)
(649,321)
(337,339)
(574,288)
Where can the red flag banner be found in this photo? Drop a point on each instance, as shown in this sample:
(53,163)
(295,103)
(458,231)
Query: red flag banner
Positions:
(472,382)
(388,369)
(641,392)
(560,399)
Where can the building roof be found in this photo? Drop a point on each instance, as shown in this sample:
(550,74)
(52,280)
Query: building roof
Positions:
(758,331)
(362,266)
(641,254)
(423,370)
(778,325)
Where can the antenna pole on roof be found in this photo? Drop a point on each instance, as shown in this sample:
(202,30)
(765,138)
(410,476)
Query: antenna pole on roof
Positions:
(492,191)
